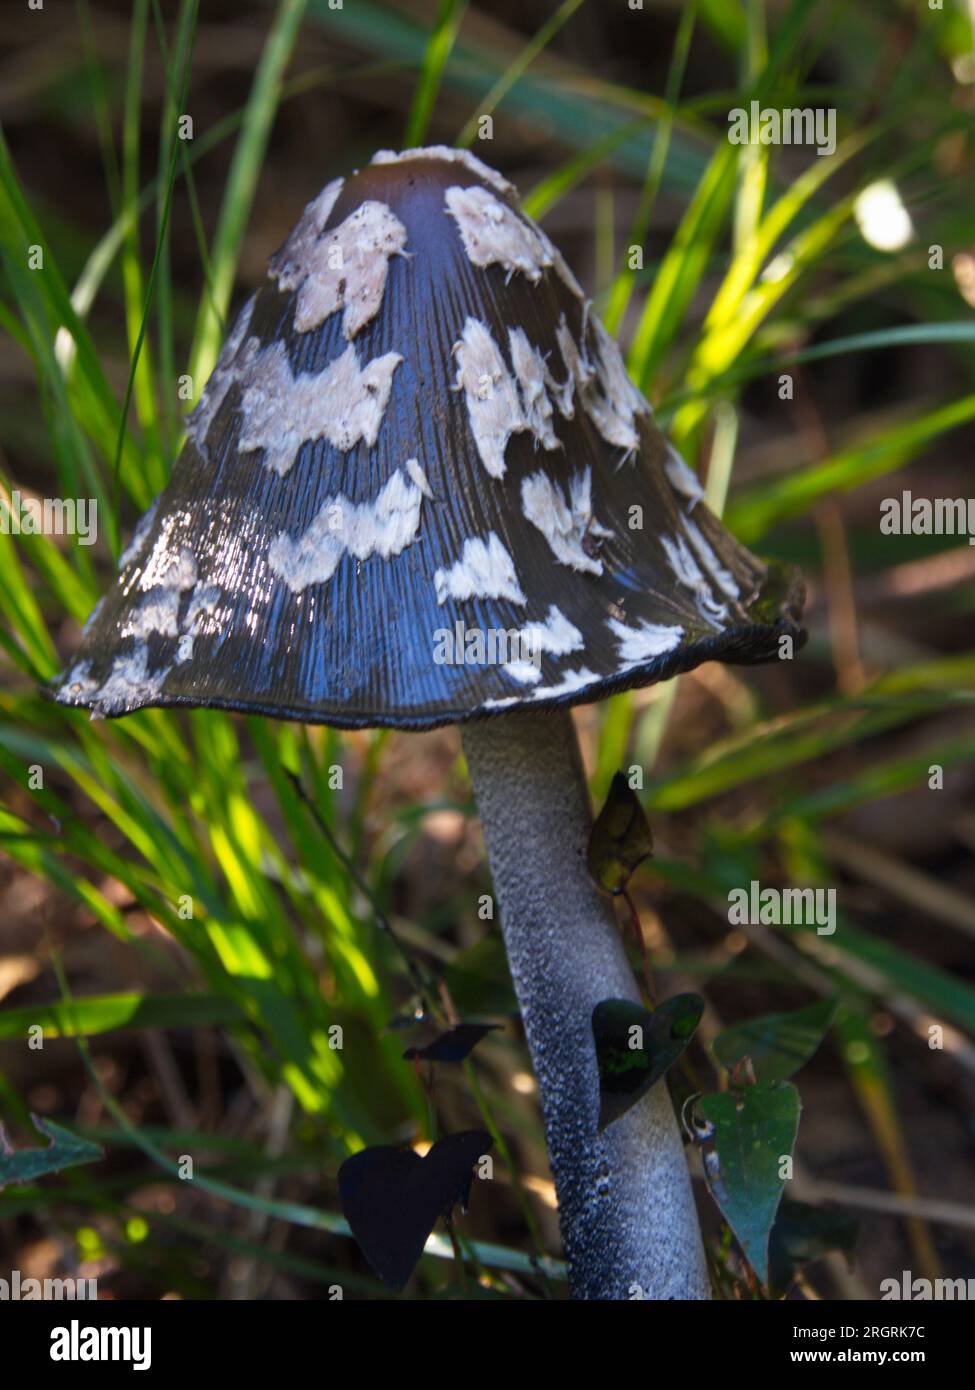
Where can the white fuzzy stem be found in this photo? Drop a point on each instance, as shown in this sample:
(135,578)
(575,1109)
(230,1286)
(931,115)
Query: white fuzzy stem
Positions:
(625,1205)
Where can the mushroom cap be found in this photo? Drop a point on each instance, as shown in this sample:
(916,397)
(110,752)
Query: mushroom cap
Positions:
(420,488)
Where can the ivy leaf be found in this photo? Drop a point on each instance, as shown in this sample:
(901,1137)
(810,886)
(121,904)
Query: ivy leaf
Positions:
(454,1045)
(392,1198)
(65,1150)
(778,1044)
(803,1233)
(753,1130)
(636,1046)
(620,838)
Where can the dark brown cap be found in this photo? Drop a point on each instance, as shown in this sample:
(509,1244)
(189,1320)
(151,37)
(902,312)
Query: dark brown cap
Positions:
(421,488)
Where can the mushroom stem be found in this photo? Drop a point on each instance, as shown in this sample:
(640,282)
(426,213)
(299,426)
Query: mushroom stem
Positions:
(628,1220)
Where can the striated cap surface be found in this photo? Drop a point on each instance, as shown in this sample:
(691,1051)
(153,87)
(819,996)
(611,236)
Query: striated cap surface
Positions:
(420,488)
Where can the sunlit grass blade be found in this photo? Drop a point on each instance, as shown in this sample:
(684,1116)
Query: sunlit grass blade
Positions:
(680,272)
(262,105)
(901,335)
(751,513)
(622,288)
(516,68)
(110,1013)
(866,1063)
(813,731)
(441,41)
(552,189)
(92,402)
(141,387)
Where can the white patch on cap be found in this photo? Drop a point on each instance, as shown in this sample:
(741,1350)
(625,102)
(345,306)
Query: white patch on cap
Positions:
(343,404)
(613,407)
(570,682)
(139,536)
(722,577)
(534,379)
(418,476)
(167,575)
(202,605)
(688,572)
(223,376)
(503,703)
(452,156)
(579,370)
(483,571)
(562,523)
(93,616)
(494,234)
(158,612)
(288,263)
(346,269)
(78,682)
(197,621)
(129,684)
(168,568)
(683,478)
(638,644)
(561,265)
(385,526)
(525,672)
(606,392)
(556,635)
(492,396)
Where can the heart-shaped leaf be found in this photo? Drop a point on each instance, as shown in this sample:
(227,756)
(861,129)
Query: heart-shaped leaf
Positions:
(392,1198)
(454,1045)
(754,1129)
(803,1233)
(636,1046)
(778,1044)
(65,1150)
(620,838)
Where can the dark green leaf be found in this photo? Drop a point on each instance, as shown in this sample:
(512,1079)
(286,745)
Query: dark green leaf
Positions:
(620,838)
(27,1165)
(479,980)
(802,1234)
(778,1044)
(636,1046)
(105,1013)
(454,1045)
(754,1130)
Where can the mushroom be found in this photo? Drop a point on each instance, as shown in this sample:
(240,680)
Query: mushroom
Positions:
(420,489)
